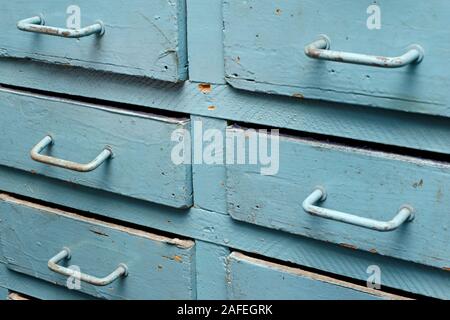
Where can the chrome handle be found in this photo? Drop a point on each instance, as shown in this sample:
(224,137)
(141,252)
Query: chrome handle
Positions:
(320,49)
(44,143)
(406,213)
(121,271)
(37,25)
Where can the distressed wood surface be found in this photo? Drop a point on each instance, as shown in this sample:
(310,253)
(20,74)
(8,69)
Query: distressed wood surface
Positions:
(222,230)
(142,38)
(141,166)
(205,38)
(37,288)
(159,267)
(250,278)
(210,260)
(221,101)
(208,178)
(264,45)
(361,182)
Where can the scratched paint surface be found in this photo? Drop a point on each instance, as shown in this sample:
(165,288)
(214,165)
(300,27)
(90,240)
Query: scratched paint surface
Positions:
(222,230)
(264,45)
(250,278)
(368,184)
(143,38)
(141,166)
(159,267)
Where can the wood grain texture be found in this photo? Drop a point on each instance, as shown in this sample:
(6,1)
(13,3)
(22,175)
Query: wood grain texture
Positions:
(350,121)
(141,38)
(141,166)
(159,267)
(360,182)
(250,278)
(264,51)
(222,230)
(210,261)
(37,288)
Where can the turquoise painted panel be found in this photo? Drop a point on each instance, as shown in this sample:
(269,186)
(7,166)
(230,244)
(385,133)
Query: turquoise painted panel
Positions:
(250,278)
(159,267)
(3,293)
(210,261)
(223,102)
(208,178)
(360,182)
(205,38)
(142,38)
(220,229)
(265,42)
(141,166)
(36,288)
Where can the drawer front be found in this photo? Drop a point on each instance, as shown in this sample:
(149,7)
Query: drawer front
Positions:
(142,38)
(158,267)
(140,166)
(265,51)
(359,185)
(250,278)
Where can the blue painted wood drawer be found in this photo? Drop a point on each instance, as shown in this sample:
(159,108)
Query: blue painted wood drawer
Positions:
(362,183)
(251,278)
(141,165)
(142,38)
(265,51)
(158,267)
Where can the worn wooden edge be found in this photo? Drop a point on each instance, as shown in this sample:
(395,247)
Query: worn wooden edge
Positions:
(314,276)
(110,109)
(183,244)
(349,149)
(220,229)
(16,297)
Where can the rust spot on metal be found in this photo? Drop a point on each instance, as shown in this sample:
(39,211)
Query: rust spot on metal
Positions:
(33,172)
(349,246)
(298,95)
(204,88)
(373,251)
(446,268)
(211,108)
(160,267)
(278,11)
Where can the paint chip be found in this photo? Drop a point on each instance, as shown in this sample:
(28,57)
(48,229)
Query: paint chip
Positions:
(298,95)
(204,88)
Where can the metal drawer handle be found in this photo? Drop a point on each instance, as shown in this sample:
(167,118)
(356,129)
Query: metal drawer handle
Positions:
(44,143)
(121,271)
(406,213)
(319,49)
(37,25)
